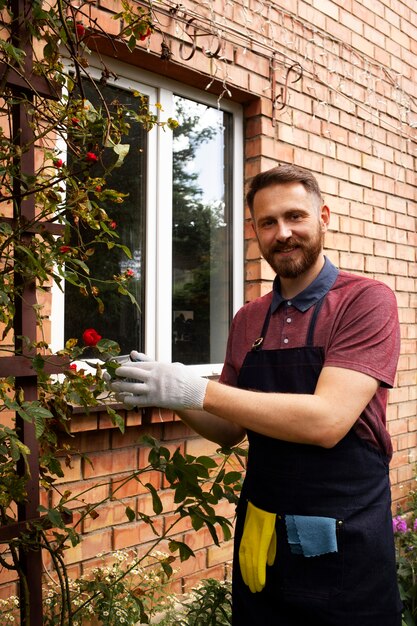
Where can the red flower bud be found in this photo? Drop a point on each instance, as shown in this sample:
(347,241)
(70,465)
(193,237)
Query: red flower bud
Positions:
(113,224)
(91,337)
(58,162)
(73,366)
(130,273)
(79,27)
(98,188)
(64,249)
(75,121)
(91,157)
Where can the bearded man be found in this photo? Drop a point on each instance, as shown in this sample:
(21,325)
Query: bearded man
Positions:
(306,376)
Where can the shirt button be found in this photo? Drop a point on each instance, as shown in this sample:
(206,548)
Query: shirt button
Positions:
(289,320)
(289,303)
(286,340)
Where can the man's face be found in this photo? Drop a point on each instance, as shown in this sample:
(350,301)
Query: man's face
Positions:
(290,225)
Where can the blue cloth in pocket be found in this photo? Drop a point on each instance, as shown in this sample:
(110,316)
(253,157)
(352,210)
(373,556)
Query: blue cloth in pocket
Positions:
(311,536)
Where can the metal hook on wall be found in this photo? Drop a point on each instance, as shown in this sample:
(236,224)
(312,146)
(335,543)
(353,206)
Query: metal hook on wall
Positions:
(280,100)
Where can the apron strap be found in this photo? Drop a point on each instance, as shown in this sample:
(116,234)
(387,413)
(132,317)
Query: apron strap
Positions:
(257,344)
(312,326)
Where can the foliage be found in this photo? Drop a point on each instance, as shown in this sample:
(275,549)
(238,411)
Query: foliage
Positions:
(127,592)
(209,604)
(70,224)
(405,532)
(119,590)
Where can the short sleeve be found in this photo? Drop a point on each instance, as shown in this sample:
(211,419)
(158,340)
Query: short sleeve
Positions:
(366,337)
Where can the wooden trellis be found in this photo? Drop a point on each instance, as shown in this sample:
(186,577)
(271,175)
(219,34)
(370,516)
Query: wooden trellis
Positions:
(22,82)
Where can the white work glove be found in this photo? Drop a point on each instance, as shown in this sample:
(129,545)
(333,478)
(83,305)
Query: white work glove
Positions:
(150,383)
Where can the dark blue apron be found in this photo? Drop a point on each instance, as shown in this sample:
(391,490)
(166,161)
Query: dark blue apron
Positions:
(357,586)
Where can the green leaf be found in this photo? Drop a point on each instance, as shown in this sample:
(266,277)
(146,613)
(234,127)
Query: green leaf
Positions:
(131,43)
(130,514)
(108,346)
(184,550)
(207,461)
(232,477)
(38,362)
(156,500)
(55,518)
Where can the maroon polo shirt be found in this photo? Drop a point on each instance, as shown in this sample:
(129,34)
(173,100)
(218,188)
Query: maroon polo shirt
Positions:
(357,328)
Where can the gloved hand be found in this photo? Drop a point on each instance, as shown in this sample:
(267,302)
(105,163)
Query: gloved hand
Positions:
(258,546)
(150,383)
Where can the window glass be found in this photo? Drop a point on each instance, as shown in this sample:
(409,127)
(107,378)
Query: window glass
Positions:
(184,187)
(121,319)
(201,246)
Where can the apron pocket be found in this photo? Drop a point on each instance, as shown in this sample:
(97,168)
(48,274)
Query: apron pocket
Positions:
(298,572)
(310,535)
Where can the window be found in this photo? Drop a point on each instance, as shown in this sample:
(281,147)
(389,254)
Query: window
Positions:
(183,222)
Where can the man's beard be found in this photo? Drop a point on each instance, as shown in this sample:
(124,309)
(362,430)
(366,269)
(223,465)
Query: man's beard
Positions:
(290,267)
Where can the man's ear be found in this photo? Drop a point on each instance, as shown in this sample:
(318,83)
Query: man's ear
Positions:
(324,217)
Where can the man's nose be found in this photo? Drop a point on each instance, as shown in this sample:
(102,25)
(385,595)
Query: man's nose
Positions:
(283,231)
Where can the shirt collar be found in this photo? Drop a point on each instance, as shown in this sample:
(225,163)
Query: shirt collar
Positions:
(311,294)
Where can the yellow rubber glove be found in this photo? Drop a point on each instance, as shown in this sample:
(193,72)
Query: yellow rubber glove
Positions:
(257,547)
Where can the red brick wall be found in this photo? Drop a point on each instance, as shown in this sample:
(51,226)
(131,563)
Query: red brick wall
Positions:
(351,119)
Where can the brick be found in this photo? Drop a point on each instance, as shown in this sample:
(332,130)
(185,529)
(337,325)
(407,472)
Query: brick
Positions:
(376,264)
(128,486)
(352,262)
(91,545)
(82,493)
(339,241)
(105,464)
(397,267)
(80,423)
(255,270)
(198,563)
(201,447)
(135,534)
(110,514)
(177,430)
(220,554)
(193,580)
(352,226)
(375,231)
(353,192)
(71,472)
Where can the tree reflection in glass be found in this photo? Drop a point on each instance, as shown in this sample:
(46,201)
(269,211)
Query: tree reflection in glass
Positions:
(201,233)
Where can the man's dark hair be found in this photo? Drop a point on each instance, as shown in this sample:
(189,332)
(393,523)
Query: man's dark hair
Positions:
(279,175)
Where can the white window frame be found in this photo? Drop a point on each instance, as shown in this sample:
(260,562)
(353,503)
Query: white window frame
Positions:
(158,247)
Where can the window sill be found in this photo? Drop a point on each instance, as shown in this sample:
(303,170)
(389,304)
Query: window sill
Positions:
(98,419)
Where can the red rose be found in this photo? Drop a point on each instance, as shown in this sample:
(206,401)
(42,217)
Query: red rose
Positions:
(130,273)
(113,224)
(64,249)
(98,189)
(58,162)
(91,157)
(73,367)
(91,337)
(146,34)
(79,27)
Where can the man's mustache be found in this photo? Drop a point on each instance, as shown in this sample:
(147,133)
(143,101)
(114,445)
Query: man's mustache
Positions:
(291,243)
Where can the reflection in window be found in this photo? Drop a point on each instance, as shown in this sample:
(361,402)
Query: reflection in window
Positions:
(201,260)
(121,319)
